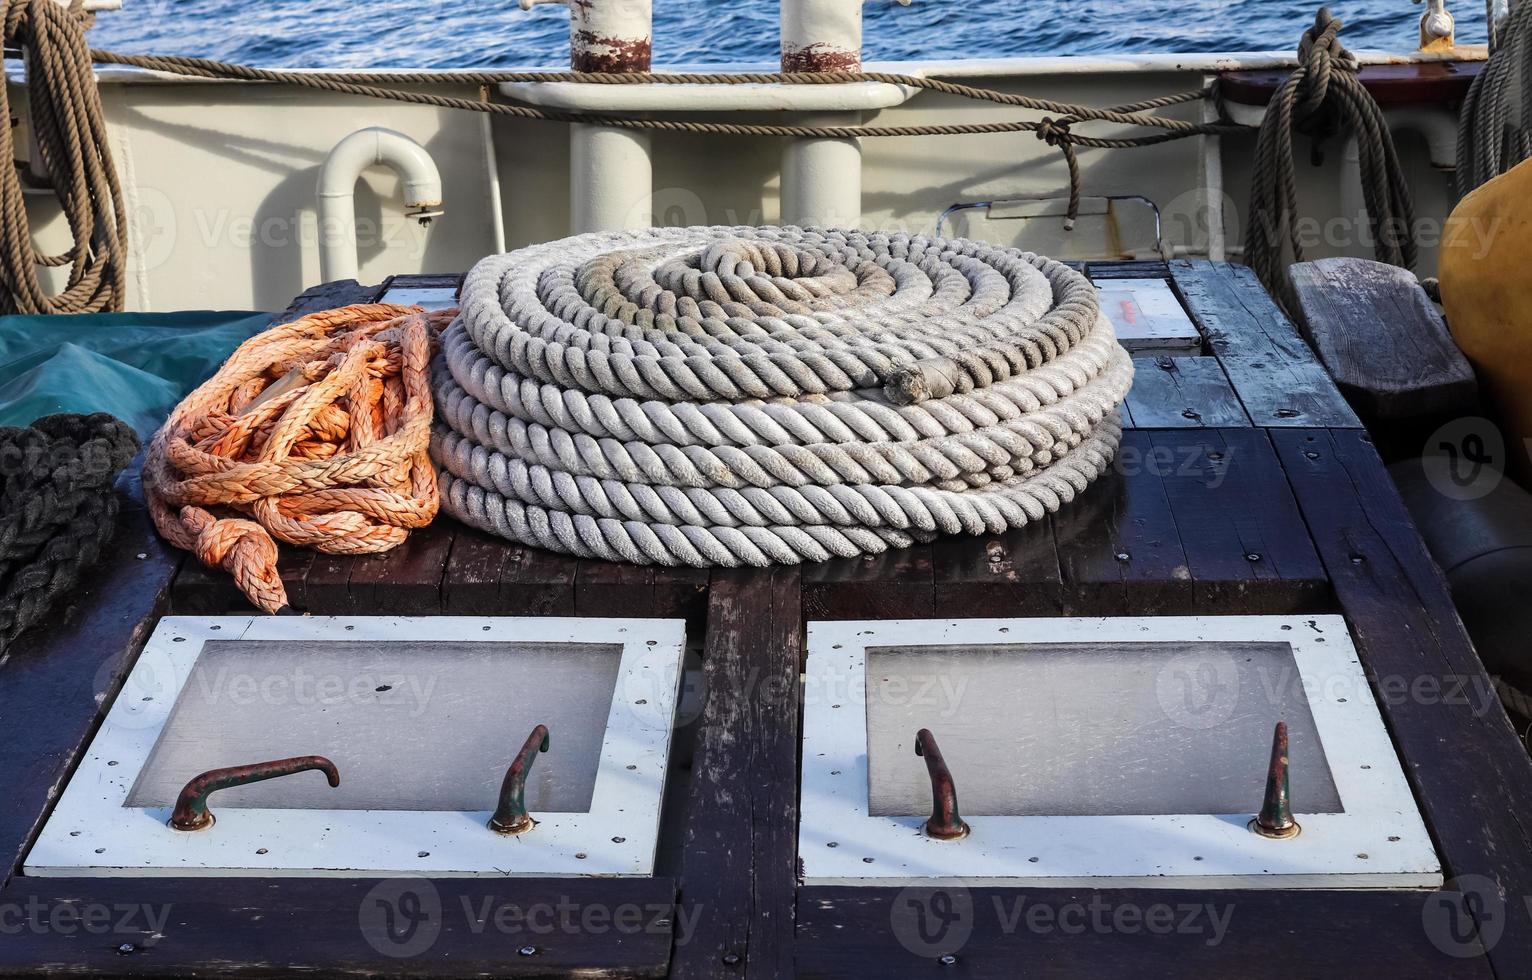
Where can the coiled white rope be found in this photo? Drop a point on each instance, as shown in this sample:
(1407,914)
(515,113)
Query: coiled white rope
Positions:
(744,396)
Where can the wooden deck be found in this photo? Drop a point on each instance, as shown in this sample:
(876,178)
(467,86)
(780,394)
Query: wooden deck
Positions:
(1245,485)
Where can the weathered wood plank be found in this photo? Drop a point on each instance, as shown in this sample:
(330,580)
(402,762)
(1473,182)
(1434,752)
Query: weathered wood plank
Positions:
(1469,771)
(331,927)
(1119,549)
(894,585)
(328,296)
(1128,933)
(1277,377)
(406,580)
(1382,339)
(1010,574)
(604,588)
(740,858)
(1247,547)
(1130,269)
(1183,393)
(56,677)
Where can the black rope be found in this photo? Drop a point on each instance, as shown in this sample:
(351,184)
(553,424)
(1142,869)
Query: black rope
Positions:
(58,509)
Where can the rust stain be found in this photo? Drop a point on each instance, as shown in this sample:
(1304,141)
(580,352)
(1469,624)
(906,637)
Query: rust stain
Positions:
(821,58)
(591,52)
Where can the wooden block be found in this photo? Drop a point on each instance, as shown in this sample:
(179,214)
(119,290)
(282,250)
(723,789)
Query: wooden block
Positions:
(1004,933)
(1382,339)
(1276,376)
(328,585)
(1148,317)
(1439,704)
(202,591)
(1182,393)
(537,583)
(293,566)
(328,296)
(897,584)
(1119,549)
(740,858)
(405,580)
(681,593)
(1010,574)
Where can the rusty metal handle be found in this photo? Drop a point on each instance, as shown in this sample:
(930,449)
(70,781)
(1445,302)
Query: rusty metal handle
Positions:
(945,823)
(1276,816)
(191,812)
(511,817)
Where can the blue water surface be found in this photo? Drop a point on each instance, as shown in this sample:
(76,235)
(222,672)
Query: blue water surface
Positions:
(497,33)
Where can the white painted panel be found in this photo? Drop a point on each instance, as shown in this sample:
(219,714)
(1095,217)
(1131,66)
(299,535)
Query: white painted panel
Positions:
(93,832)
(1147,315)
(426,297)
(1376,840)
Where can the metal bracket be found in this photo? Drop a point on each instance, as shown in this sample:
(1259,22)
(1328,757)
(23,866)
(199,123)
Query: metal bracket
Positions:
(191,812)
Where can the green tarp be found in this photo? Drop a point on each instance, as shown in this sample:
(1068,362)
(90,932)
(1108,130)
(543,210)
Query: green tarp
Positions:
(136,366)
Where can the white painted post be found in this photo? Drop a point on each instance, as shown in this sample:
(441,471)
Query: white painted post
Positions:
(822,178)
(611,174)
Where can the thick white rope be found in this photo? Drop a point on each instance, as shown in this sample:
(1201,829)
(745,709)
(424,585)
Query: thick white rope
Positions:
(743,396)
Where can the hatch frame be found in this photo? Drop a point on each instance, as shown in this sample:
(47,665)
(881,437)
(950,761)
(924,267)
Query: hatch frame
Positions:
(616,837)
(1350,849)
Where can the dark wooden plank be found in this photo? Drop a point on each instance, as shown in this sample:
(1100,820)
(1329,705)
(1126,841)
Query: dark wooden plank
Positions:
(328,296)
(1470,773)
(1382,339)
(1425,83)
(293,564)
(328,585)
(894,585)
(471,579)
(681,593)
(1132,269)
(202,591)
(537,583)
(1247,547)
(406,580)
(486,575)
(56,676)
(1183,393)
(1119,548)
(740,859)
(1010,574)
(330,927)
(1275,374)
(604,588)
(1130,933)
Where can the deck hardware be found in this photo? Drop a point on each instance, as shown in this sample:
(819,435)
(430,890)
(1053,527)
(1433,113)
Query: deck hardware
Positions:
(945,822)
(511,815)
(1276,816)
(191,812)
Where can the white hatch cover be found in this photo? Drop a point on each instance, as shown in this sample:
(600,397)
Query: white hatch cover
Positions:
(421,717)
(1147,316)
(1101,752)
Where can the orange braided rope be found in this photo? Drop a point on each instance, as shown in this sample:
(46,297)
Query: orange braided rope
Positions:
(316,431)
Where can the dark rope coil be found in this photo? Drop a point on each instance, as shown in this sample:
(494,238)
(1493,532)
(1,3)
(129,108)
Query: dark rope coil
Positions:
(58,509)
(1322,98)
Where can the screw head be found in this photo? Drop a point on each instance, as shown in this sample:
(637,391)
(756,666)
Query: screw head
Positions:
(1253,556)
(1123,556)
(730,959)
(126,949)
(947,959)
(527,951)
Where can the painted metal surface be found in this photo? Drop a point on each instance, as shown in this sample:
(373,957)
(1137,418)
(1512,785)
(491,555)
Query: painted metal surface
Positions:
(1373,835)
(1147,316)
(614,835)
(420,180)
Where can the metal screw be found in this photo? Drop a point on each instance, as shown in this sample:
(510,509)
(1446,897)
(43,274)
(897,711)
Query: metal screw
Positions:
(947,959)
(1189,414)
(1252,556)
(1286,413)
(126,949)
(527,951)
(1311,454)
(730,959)
(1123,556)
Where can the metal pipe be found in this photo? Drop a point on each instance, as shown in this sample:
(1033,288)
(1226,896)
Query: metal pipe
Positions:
(611,171)
(822,178)
(1437,27)
(191,812)
(945,822)
(511,817)
(337,191)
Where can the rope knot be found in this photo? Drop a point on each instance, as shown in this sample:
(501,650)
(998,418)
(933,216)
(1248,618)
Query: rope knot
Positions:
(1054,132)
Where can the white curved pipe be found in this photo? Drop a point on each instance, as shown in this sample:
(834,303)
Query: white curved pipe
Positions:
(337,191)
